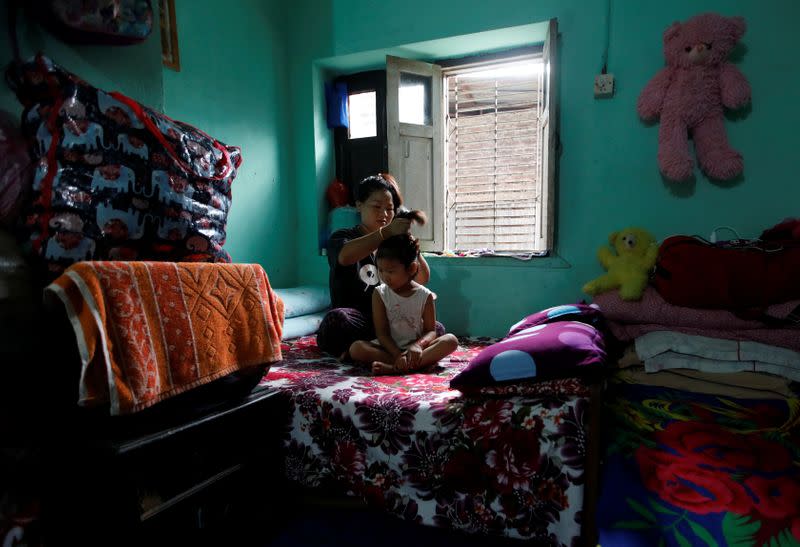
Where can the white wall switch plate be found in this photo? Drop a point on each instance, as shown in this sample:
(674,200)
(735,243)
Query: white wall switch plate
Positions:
(604,86)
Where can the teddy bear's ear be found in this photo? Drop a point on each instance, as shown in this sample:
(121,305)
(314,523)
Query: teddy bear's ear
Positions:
(738,26)
(612,237)
(672,32)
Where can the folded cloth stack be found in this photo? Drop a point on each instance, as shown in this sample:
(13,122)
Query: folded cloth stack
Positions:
(669,337)
(151,330)
(628,320)
(741,385)
(304,308)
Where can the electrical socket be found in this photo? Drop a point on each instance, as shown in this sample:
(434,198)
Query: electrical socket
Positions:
(603,86)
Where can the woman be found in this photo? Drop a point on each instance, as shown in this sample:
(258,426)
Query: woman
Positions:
(353,271)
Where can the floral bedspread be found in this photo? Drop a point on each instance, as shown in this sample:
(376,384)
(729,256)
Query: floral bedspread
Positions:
(689,469)
(506,466)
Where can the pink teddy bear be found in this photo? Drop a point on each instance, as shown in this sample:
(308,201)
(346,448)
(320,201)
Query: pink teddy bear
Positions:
(689,94)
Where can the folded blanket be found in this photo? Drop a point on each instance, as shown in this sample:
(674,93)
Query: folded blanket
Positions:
(653,343)
(670,360)
(653,309)
(295,327)
(304,300)
(741,385)
(673,350)
(150,330)
(786,338)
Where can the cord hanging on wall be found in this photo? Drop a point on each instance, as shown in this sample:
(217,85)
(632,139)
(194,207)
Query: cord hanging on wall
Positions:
(604,82)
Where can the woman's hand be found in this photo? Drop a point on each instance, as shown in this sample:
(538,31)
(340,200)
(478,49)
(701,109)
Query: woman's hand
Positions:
(397,227)
(414,356)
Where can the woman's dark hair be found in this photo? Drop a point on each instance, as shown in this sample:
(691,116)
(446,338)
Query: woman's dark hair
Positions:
(404,248)
(381,181)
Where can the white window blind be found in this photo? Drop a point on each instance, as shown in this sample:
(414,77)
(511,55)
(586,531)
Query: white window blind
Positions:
(493,157)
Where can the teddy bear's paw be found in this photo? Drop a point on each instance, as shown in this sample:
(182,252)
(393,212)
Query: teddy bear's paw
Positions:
(591,288)
(676,168)
(648,108)
(723,164)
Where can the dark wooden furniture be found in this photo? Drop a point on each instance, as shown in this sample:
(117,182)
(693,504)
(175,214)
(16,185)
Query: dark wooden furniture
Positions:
(113,483)
(199,465)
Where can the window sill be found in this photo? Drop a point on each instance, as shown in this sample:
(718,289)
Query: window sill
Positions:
(550,262)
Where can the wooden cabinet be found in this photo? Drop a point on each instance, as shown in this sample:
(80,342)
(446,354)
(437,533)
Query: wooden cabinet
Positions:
(199,476)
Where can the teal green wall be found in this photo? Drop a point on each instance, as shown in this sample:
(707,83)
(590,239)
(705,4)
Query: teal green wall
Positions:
(609,177)
(233,85)
(310,37)
(252,74)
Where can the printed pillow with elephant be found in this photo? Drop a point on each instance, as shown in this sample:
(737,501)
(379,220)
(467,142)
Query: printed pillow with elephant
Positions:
(556,343)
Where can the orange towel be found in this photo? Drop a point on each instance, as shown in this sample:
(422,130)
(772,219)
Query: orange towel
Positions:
(150,330)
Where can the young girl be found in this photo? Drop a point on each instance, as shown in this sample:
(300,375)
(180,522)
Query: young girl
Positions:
(403,314)
(353,272)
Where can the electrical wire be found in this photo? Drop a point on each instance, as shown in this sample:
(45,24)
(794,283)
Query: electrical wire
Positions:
(607,38)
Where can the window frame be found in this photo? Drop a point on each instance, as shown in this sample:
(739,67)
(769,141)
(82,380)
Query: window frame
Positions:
(549,139)
(479,63)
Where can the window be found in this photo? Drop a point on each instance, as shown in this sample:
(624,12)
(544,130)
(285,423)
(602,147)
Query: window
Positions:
(363,121)
(474,146)
(414,99)
(493,176)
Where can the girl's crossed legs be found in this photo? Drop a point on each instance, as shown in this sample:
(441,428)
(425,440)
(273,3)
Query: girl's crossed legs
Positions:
(382,362)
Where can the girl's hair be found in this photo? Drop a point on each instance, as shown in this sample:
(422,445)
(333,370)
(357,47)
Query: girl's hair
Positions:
(415,215)
(404,248)
(379,182)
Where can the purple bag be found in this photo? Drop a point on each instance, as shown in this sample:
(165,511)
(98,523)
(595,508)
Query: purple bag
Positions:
(96,22)
(115,180)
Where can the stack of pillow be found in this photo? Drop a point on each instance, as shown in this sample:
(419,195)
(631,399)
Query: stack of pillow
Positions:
(304,308)
(560,342)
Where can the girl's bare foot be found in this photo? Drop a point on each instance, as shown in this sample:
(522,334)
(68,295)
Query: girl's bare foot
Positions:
(379,367)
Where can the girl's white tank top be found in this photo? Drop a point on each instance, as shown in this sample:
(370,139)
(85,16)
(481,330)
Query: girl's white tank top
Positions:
(404,313)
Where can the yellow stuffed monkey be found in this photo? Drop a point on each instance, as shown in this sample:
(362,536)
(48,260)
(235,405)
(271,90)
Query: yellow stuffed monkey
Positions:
(630,268)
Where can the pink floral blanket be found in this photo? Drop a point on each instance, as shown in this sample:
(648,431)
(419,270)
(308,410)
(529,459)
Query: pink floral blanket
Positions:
(504,466)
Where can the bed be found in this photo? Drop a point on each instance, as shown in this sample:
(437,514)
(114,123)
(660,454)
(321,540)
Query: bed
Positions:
(510,466)
(685,468)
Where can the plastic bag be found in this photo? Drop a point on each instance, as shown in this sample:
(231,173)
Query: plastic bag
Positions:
(99,22)
(115,180)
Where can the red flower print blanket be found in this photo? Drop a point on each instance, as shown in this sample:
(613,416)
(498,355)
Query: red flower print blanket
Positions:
(689,469)
(505,466)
